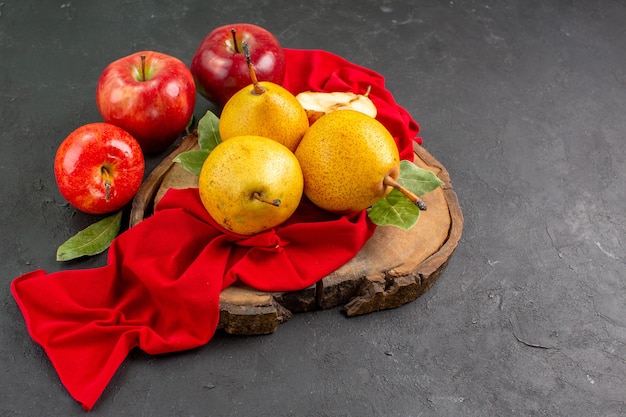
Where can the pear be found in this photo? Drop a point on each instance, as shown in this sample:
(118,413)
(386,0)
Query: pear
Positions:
(249,184)
(264,109)
(349,161)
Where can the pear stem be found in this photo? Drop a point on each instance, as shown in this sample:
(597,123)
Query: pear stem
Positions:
(258,90)
(388,181)
(259,197)
(233,32)
(106,175)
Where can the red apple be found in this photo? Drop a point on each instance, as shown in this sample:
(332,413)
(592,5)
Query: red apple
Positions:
(99,168)
(150,95)
(219,65)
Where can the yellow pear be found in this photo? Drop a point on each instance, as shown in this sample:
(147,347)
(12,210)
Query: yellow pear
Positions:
(274,113)
(349,161)
(249,184)
(264,109)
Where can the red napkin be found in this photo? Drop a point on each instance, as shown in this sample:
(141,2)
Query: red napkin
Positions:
(160,288)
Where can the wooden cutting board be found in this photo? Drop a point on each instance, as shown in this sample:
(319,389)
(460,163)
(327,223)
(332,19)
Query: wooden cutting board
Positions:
(394,267)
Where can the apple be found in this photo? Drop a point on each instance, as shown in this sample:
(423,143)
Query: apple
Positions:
(99,168)
(150,95)
(219,65)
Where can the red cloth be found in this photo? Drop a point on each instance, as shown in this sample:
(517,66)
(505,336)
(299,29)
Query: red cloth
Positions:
(160,288)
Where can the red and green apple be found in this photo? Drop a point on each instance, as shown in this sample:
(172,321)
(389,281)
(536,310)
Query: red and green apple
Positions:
(149,94)
(219,65)
(99,168)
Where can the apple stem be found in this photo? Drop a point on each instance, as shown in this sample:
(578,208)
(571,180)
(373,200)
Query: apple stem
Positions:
(258,90)
(388,181)
(143,68)
(106,175)
(257,196)
(233,32)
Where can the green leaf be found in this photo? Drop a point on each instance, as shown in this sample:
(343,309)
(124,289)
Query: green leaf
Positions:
(419,180)
(394,210)
(208,131)
(92,240)
(192,160)
(208,139)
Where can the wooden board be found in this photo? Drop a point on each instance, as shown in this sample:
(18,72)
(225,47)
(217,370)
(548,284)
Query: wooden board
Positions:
(394,267)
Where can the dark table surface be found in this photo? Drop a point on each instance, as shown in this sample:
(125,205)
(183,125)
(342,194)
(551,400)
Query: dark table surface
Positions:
(522,101)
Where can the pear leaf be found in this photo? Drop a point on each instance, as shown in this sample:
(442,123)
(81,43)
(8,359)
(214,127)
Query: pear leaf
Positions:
(418,180)
(208,131)
(192,161)
(394,210)
(208,139)
(92,240)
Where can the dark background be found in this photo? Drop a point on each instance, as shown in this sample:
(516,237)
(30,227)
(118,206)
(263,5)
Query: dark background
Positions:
(522,101)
